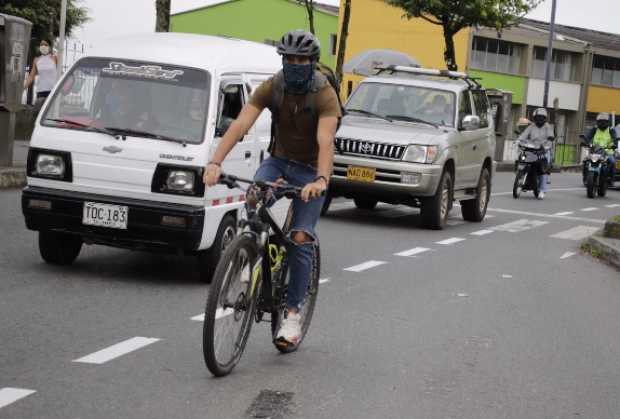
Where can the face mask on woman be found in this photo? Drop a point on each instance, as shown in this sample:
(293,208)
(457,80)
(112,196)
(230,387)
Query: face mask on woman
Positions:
(44,49)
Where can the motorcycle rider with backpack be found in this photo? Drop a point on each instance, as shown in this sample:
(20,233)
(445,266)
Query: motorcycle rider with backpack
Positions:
(305,112)
(541,134)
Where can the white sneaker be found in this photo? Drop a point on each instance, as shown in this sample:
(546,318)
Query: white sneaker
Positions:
(541,195)
(290,330)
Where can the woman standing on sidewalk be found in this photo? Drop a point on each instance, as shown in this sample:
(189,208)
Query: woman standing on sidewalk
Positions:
(44,66)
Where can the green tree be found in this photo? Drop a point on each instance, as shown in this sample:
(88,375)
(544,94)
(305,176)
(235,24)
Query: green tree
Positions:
(45,16)
(454,15)
(162,10)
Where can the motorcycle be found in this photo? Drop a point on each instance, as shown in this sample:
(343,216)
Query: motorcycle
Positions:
(530,165)
(596,171)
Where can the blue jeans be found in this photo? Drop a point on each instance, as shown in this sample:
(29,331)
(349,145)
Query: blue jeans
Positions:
(611,161)
(542,179)
(305,217)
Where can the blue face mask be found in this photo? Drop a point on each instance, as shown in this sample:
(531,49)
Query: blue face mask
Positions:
(298,77)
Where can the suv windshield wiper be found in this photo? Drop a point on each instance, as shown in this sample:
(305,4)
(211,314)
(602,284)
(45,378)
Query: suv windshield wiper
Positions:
(82,125)
(376,115)
(412,119)
(146,134)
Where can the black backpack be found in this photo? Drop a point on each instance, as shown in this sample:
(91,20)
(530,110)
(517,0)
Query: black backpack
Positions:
(322,76)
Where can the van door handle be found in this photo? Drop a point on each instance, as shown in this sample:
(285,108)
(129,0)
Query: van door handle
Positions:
(248,154)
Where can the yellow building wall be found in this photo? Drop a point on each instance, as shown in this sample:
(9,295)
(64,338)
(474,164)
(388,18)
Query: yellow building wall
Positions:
(603,99)
(376,25)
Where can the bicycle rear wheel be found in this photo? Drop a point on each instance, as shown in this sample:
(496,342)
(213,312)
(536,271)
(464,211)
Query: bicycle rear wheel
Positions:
(277,316)
(230,306)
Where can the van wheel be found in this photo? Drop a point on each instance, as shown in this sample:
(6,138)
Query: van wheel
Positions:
(208,259)
(59,248)
(435,209)
(475,209)
(365,203)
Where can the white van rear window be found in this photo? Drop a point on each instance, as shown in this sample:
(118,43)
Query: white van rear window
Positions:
(156,100)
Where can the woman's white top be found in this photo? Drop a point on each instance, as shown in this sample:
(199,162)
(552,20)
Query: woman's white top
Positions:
(46,69)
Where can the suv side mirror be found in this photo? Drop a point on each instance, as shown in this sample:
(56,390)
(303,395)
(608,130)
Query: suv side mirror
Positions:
(470,122)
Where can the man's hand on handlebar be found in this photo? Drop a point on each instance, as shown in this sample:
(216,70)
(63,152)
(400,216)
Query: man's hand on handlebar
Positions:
(313,190)
(212,174)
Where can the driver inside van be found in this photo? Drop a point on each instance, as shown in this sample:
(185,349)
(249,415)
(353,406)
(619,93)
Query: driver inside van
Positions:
(439,111)
(123,110)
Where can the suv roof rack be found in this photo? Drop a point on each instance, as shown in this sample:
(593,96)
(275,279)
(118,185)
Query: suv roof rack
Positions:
(455,75)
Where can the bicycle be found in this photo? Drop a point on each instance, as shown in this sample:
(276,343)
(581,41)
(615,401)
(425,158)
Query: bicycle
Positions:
(251,280)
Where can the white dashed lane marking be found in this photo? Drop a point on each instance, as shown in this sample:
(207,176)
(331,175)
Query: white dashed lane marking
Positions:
(589,209)
(115,351)
(481,232)
(450,241)
(565,213)
(412,252)
(519,226)
(612,205)
(567,255)
(365,266)
(199,318)
(10,395)
(575,233)
(324,280)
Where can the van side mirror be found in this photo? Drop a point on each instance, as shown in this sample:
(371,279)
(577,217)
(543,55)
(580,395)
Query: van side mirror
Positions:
(470,122)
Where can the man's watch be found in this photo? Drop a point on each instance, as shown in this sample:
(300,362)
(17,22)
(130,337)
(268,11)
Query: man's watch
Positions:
(322,177)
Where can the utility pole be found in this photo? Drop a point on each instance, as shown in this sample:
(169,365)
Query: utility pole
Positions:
(549,55)
(63,24)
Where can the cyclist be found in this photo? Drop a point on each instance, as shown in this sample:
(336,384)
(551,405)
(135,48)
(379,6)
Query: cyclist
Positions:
(305,112)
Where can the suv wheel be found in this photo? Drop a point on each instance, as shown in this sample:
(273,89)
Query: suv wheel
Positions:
(365,203)
(435,209)
(59,248)
(208,259)
(476,209)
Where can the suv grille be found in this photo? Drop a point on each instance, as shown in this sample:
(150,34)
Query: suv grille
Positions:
(369,148)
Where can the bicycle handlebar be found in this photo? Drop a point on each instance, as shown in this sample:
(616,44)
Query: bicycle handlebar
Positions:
(286,189)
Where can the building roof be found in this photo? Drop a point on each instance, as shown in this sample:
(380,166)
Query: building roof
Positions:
(212,53)
(597,39)
(197,5)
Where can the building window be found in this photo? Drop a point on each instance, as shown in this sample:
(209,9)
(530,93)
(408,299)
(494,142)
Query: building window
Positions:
(333,42)
(563,65)
(496,55)
(606,71)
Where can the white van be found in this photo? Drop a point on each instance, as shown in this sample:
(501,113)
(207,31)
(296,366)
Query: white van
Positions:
(118,151)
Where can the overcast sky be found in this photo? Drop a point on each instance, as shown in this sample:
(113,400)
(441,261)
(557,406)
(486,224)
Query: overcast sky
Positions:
(117,17)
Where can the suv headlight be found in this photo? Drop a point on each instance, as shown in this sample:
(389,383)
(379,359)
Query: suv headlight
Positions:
(180,180)
(420,153)
(49,164)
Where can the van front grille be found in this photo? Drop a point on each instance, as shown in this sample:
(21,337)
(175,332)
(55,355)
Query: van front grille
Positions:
(369,149)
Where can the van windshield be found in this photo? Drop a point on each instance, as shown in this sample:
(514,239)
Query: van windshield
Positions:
(156,100)
(403,102)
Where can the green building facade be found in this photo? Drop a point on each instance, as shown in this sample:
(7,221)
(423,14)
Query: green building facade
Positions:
(261,21)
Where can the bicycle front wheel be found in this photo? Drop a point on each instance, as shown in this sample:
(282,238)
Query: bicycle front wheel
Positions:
(231,305)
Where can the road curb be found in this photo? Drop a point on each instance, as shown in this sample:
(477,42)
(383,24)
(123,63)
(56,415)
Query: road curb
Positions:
(12,177)
(603,248)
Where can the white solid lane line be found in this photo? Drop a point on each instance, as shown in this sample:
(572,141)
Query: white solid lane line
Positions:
(364,266)
(481,232)
(575,233)
(589,209)
(114,351)
(10,395)
(565,213)
(412,252)
(612,205)
(450,241)
(567,255)
(537,214)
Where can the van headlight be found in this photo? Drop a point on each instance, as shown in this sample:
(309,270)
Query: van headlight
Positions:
(49,164)
(420,153)
(179,180)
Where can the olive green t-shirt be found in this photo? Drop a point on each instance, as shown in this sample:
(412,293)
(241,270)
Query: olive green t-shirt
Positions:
(296,130)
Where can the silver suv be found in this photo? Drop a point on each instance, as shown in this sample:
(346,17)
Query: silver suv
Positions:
(418,137)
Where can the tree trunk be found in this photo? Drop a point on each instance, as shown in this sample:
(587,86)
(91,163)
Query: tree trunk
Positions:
(342,41)
(310,9)
(449,53)
(162,23)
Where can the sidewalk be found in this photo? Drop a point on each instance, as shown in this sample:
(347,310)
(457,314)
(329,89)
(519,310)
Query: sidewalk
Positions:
(605,244)
(15,177)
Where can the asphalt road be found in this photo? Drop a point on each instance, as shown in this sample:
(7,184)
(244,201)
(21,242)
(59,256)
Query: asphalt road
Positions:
(499,319)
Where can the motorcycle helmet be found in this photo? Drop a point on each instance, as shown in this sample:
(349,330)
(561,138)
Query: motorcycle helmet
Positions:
(540,117)
(602,121)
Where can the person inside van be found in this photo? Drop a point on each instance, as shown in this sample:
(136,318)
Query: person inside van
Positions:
(302,154)
(123,109)
(439,111)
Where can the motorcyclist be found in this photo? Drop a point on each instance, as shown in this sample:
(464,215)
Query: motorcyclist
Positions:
(605,137)
(540,133)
